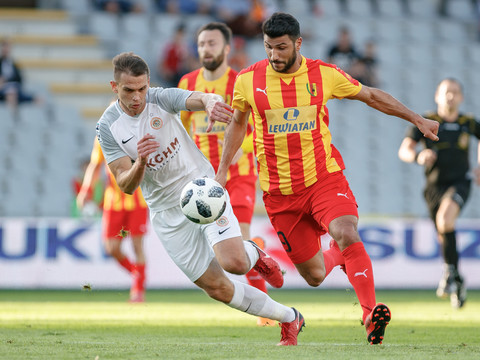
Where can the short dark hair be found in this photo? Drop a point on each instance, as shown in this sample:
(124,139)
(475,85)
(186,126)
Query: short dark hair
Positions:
(452,80)
(280,24)
(222,27)
(129,63)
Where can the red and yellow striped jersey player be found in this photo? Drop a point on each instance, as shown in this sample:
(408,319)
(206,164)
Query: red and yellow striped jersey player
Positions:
(300,171)
(216,76)
(123,215)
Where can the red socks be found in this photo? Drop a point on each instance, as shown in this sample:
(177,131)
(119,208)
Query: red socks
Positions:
(360,274)
(126,264)
(332,257)
(137,271)
(139,277)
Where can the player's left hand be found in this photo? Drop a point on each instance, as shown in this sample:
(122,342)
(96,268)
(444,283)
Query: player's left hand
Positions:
(218,111)
(429,128)
(221,178)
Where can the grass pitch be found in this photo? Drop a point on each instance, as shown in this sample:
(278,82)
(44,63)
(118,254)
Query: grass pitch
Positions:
(90,324)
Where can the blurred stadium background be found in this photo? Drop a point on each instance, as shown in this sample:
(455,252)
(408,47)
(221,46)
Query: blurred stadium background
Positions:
(64,48)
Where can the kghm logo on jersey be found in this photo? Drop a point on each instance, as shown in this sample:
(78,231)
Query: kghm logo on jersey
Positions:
(160,159)
(156,123)
(291,114)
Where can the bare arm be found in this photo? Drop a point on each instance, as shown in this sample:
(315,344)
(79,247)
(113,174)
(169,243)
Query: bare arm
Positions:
(386,103)
(233,138)
(408,153)
(213,104)
(92,173)
(129,176)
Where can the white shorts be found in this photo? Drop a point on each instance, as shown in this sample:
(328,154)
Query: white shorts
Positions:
(190,245)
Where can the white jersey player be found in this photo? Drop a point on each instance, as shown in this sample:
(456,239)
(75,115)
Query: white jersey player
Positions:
(145,144)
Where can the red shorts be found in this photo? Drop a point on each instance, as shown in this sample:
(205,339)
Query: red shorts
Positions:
(242,190)
(301,219)
(134,221)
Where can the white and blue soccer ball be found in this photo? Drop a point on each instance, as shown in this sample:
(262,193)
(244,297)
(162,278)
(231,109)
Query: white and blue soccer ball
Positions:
(203,200)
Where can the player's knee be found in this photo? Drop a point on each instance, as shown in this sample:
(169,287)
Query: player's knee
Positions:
(346,236)
(315,278)
(444,224)
(109,250)
(218,290)
(235,265)
(114,252)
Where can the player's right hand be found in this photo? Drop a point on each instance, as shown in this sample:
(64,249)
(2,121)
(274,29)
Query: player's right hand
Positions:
(218,111)
(429,128)
(146,146)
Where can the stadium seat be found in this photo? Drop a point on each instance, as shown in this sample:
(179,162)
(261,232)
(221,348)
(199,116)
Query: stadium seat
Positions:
(461,10)
(390,55)
(391,9)
(139,45)
(454,54)
(14,21)
(330,9)
(301,8)
(164,25)
(360,9)
(451,31)
(473,54)
(422,9)
(420,31)
(77,7)
(361,31)
(389,31)
(136,26)
(255,50)
(104,25)
(194,22)
(421,54)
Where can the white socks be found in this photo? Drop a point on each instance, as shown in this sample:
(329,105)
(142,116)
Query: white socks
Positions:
(252,253)
(249,299)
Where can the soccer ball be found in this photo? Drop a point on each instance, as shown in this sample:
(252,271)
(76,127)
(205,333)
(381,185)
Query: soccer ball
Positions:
(203,200)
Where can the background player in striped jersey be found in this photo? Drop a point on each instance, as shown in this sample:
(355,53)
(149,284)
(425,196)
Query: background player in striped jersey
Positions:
(216,76)
(300,171)
(448,182)
(123,215)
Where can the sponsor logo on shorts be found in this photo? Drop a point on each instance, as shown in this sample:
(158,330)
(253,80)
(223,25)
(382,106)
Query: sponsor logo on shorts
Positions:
(222,221)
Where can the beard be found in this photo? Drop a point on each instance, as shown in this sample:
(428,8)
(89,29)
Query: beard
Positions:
(213,64)
(288,64)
